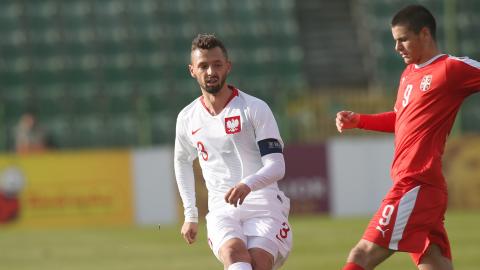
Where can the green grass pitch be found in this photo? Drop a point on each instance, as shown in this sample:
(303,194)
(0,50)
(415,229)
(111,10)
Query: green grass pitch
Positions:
(319,243)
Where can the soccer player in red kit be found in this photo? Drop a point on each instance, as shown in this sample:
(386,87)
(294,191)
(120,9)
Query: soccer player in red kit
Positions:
(432,87)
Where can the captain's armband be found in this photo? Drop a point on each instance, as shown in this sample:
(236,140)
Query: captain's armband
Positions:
(269,146)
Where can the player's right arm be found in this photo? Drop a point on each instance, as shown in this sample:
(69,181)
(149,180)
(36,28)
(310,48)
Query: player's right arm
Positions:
(347,120)
(384,122)
(189,231)
(184,155)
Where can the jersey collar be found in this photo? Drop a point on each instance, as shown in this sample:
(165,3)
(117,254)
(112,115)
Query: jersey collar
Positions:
(429,61)
(232,96)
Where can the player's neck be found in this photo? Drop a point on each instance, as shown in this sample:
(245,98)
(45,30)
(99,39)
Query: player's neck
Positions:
(430,53)
(216,102)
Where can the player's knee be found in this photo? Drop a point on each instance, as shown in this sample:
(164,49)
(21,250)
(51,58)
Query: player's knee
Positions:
(358,255)
(234,253)
(261,259)
(433,251)
(368,254)
(434,259)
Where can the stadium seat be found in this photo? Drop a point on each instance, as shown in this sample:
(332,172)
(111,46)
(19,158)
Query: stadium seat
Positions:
(88,131)
(49,101)
(17,101)
(83,98)
(58,131)
(119,97)
(111,63)
(163,127)
(122,130)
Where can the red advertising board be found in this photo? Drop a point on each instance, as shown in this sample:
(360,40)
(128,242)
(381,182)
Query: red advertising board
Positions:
(306,178)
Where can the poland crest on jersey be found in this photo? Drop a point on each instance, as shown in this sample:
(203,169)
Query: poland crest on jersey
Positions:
(426,82)
(232,124)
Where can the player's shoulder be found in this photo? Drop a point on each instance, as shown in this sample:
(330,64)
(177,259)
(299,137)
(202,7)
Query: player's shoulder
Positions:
(251,101)
(462,61)
(188,110)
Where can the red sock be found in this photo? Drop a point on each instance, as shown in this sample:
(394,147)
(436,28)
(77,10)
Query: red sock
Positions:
(352,266)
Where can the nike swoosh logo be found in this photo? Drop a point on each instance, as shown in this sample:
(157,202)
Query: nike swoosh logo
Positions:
(195,131)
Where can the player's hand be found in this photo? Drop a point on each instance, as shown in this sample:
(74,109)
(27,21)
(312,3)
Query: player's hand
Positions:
(189,231)
(346,120)
(237,194)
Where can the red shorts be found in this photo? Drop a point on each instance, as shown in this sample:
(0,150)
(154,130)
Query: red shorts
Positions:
(410,218)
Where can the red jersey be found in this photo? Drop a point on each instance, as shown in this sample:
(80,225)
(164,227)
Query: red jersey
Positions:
(9,208)
(429,97)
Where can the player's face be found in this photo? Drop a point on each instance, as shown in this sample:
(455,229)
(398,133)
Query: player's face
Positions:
(210,68)
(408,44)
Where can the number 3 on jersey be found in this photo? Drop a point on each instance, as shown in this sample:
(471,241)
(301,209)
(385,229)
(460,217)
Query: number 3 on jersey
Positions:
(283,232)
(202,151)
(406,95)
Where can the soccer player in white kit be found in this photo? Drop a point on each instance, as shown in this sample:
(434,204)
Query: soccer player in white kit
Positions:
(236,139)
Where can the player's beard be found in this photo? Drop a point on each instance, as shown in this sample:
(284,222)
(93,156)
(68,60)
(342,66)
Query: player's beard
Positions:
(214,89)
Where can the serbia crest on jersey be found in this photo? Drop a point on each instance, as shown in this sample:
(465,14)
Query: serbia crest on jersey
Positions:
(233,124)
(426,82)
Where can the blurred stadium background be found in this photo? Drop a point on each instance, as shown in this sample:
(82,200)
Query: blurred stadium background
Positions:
(107,77)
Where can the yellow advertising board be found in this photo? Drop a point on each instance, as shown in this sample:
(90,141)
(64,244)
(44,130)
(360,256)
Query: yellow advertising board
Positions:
(462,170)
(78,188)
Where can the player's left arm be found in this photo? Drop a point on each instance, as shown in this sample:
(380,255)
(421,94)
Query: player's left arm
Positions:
(273,169)
(270,146)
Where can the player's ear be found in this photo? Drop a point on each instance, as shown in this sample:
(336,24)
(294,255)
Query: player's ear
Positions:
(229,66)
(190,69)
(425,33)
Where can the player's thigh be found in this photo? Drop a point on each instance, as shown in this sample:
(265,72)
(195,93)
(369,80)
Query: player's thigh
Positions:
(368,254)
(270,234)
(263,252)
(221,228)
(433,259)
(438,250)
(261,259)
(233,250)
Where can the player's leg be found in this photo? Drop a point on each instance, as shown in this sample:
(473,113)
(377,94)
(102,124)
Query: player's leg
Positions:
(437,254)
(263,252)
(227,241)
(375,245)
(269,238)
(234,255)
(261,259)
(268,242)
(433,259)
(366,255)
(407,215)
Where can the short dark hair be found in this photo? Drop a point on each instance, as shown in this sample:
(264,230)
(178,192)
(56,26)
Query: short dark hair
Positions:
(207,42)
(415,17)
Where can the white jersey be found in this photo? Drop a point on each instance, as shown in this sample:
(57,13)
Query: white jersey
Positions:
(226,145)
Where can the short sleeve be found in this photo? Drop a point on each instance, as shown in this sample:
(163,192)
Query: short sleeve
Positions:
(264,122)
(464,74)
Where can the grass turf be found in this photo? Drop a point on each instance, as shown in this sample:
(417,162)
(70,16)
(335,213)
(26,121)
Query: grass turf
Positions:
(319,243)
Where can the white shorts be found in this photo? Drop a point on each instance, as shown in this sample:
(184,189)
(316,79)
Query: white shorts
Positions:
(256,218)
